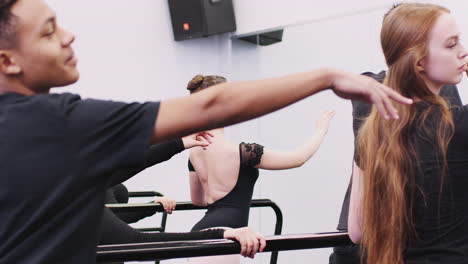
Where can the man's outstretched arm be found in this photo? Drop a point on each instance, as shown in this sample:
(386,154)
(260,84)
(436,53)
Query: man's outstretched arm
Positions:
(235,102)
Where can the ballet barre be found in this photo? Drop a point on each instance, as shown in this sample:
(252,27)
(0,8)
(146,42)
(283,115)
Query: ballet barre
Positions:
(196,248)
(185,206)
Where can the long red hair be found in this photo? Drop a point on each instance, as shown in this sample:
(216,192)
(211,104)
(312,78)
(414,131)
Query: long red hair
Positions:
(385,147)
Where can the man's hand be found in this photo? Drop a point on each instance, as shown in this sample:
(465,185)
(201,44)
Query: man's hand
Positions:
(363,88)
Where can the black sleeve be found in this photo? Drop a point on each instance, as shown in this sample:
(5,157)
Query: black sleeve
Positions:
(115,231)
(380,77)
(343,221)
(133,217)
(163,151)
(106,136)
(119,194)
(250,154)
(360,112)
(156,154)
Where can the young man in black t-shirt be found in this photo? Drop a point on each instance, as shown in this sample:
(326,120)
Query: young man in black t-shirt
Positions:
(57,150)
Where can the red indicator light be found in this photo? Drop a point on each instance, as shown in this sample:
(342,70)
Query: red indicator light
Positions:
(186,26)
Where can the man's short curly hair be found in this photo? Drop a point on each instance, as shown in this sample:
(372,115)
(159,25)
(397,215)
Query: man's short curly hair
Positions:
(8,23)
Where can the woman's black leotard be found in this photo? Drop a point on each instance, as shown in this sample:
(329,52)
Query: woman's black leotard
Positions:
(233,209)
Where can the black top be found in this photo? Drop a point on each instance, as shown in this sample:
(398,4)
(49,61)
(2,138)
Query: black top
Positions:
(156,154)
(440,206)
(360,111)
(233,209)
(57,152)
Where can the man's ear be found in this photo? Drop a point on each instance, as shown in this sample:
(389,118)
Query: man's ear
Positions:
(8,64)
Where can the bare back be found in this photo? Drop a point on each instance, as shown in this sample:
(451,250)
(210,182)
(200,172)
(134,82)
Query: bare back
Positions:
(217,168)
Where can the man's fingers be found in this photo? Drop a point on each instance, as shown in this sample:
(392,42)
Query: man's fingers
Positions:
(391,108)
(387,103)
(391,95)
(396,96)
(378,102)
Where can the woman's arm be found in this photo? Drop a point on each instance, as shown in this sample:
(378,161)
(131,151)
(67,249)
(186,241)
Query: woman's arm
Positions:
(197,194)
(278,160)
(355,218)
(168,204)
(162,152)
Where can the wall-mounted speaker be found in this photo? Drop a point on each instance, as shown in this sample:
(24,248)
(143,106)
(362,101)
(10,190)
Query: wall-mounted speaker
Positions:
(201,18)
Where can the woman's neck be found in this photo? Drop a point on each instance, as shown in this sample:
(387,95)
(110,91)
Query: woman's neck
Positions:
(433,86)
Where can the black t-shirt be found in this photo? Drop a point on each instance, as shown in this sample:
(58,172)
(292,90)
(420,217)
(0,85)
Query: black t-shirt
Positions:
(360,111)
(57,152)
(440,203)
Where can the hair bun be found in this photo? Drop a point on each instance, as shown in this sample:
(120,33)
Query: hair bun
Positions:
(196,82)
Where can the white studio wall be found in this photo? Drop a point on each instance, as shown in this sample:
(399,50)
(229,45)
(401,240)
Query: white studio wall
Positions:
(126,52)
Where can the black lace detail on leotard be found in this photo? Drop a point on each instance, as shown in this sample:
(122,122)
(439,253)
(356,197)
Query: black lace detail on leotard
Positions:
(250,154)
